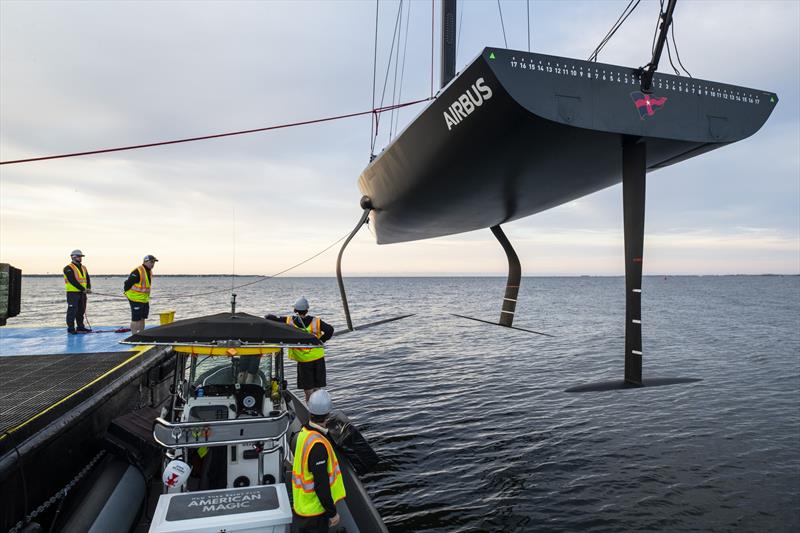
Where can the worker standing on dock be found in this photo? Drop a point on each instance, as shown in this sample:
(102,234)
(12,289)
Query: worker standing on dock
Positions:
(317,482)
(311,373)
(78,284)
(137,290)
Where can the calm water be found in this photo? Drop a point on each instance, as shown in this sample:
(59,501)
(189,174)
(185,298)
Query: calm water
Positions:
(472,421)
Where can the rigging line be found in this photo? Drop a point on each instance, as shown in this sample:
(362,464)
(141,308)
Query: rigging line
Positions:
(593,56)
(623,16)
(458,33)
(617,26)
(214,136)
(502,24)
(528,5)
(432,19)
(103,294)
(403,69)
(669,55)
(374,76)
(655,31)
(675,44)
(396,62)
(263,278)
(233,266)
(388,68)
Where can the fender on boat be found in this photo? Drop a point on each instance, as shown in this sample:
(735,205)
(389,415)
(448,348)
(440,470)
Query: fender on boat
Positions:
(113,502)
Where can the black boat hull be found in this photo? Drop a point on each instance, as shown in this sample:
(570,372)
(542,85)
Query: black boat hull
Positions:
(502,142)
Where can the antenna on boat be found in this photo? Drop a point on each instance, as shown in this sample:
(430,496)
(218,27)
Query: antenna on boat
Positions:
(649,70)
(233,303)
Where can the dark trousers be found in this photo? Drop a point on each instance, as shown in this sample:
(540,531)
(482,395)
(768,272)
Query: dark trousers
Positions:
(76,308)
(310,524)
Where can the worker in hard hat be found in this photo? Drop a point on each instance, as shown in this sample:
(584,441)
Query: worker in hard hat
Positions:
(311,374)
(137,290)
(317,482)
(77,284)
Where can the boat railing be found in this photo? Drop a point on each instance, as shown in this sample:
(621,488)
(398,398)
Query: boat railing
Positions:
(203,433)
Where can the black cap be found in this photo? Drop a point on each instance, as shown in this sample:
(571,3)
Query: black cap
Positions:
(149,258)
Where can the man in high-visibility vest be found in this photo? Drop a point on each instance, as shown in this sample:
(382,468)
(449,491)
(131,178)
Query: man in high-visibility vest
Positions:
(311,373)
(317,482)
(137,290)
(77,284)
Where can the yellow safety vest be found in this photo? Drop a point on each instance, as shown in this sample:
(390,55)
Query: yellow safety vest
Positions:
(305,501)
(306,355)
(80,275)
(140,292)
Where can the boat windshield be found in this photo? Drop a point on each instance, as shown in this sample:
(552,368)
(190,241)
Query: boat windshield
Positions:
(242,370)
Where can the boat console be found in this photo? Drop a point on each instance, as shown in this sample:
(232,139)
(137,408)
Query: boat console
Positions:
(234,437)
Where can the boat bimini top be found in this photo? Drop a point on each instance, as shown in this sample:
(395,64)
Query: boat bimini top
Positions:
(225,334)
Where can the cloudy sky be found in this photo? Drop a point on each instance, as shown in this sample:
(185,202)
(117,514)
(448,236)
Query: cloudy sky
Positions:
(78,76)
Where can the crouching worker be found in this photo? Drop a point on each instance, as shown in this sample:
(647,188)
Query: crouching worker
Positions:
(317,482)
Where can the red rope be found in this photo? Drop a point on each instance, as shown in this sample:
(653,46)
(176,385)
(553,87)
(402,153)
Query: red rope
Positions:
(215,136)
(432,17)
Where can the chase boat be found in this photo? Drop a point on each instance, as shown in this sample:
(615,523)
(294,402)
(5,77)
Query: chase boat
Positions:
(226,439)
(215,454)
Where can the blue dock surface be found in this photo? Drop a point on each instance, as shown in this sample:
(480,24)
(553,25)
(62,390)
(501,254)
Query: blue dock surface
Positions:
(56,341)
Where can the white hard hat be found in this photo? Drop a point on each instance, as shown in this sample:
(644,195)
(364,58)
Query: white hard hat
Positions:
(301,304)
(176,473)
(76,252)
(320,402)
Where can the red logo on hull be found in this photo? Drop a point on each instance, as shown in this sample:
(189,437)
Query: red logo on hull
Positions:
(647,104)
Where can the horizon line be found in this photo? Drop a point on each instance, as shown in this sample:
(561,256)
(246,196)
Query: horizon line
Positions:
(427,275)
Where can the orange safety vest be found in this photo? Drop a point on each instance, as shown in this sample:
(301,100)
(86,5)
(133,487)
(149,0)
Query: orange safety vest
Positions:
(140,292)
(306,355)
(80,275)
(304,499)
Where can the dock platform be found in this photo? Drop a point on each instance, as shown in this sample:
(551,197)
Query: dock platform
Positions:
(41,341)
(59,393)
(46,372)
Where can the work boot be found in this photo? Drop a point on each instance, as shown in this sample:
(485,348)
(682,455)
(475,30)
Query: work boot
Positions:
(71,331)
(82,329)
